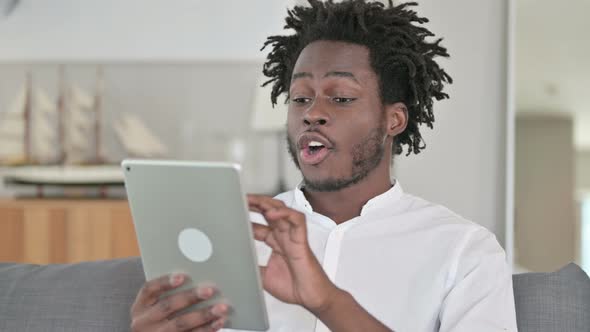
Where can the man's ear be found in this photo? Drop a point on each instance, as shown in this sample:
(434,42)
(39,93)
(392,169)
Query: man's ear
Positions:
(396,118)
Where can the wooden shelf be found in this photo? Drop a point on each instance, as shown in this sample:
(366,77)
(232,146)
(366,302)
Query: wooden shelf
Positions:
(43,231)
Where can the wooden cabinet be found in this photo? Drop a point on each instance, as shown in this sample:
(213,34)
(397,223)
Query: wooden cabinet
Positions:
(65,231)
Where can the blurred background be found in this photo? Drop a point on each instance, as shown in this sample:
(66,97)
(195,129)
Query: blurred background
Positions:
(552,165)
(180,79)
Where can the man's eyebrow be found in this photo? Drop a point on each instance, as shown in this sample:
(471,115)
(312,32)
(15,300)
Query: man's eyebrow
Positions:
(345,74)
(301,75)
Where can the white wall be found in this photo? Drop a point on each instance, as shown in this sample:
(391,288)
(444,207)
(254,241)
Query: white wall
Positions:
(463,166)
(144,30)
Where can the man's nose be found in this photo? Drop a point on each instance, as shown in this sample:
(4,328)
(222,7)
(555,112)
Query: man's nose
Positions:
(316,114)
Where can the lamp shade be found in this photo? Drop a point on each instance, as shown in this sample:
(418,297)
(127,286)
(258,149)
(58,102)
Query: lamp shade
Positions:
(265,117)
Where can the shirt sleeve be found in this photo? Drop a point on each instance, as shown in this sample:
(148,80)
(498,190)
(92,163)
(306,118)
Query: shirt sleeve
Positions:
(481,296)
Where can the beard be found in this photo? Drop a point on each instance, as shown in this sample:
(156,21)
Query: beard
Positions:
(366,156)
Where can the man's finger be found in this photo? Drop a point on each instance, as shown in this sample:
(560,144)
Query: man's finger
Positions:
(262,206)
(264,233)
(262,203)
(153,289)
(295,218)
(196,319)
(169,305)
(280,225)
(275,210)
(272,242)
(260,231)
(215,325)
(288,221)
(262,270)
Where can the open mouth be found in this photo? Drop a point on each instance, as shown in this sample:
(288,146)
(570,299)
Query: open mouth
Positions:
(314,147)
(313,153)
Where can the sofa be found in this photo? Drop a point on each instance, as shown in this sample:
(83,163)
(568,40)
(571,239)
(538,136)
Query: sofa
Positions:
(97,296)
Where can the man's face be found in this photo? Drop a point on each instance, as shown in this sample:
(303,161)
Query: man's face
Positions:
(335,126)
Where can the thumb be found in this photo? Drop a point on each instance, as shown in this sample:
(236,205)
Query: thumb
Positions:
(262,270)
(263,280)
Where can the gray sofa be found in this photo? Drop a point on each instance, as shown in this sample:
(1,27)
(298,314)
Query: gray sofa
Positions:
(97,296)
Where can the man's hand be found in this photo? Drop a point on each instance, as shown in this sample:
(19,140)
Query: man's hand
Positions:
(293,274)
(150,312)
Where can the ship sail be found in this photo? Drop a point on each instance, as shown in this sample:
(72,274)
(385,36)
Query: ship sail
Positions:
(44,140)
(80,126)
(39,130)
(12,130)
(137,140)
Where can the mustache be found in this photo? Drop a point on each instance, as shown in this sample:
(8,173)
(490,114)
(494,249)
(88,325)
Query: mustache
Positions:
(292,140)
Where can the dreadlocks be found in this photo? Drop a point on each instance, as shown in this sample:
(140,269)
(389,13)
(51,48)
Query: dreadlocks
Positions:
(400,55)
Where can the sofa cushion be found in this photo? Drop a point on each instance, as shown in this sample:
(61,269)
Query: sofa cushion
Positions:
(90,296)
(553,302)
(97,297)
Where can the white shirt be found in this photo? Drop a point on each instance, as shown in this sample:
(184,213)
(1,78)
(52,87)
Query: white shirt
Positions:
(414,265)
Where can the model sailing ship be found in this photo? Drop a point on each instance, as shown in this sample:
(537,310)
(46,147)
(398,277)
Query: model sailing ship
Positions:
(59,142)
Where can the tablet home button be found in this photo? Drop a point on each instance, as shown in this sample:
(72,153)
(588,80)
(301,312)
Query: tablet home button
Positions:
(194,245)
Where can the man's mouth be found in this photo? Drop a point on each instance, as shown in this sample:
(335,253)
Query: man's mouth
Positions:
(314,149)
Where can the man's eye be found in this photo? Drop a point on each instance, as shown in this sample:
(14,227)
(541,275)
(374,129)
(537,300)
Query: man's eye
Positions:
(343,100)
(300,100)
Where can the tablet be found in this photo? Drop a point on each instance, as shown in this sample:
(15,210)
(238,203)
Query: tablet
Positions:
(192,217)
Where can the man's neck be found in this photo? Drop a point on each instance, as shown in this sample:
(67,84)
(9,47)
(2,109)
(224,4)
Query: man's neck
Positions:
(347,203)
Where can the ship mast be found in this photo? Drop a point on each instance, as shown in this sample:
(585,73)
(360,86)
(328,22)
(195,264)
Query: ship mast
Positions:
(27,117)
(98,114)
(61,108)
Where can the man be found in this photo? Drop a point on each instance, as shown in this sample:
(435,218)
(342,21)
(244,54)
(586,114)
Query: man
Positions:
(349,250)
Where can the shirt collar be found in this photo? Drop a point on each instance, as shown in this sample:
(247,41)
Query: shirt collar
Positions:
(300,199)
(383,200)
